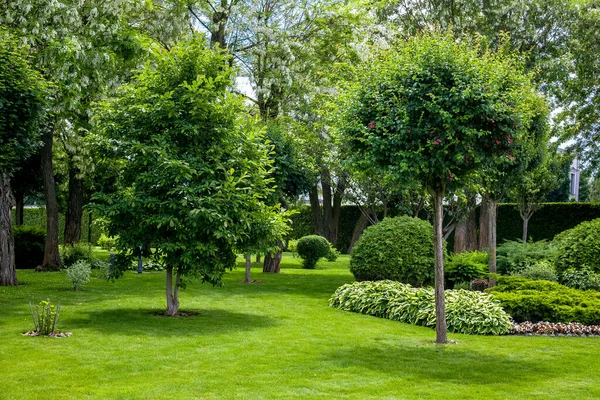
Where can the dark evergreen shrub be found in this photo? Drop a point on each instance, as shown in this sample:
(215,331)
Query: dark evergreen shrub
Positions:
(579,247)
(465,267)
(513,256)
(399,249)
(29,246)
(70,254)
(311,248)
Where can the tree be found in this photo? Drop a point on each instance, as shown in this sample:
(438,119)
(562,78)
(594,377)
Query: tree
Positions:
(21,102)
(433,110)
(197,167)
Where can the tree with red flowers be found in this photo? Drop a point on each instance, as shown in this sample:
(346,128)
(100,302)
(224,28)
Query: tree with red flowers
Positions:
(436,110)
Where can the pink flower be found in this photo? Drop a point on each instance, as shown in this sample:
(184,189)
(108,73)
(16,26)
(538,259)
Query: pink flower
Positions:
(372,124)
(450,176)
(509,140)
(437,141)
(510,157)
(408,131)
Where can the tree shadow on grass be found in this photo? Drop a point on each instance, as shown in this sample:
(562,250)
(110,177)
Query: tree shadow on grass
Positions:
(451,364)
(134,321)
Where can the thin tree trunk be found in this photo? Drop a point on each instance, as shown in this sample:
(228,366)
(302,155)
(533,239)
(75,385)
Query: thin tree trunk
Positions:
(258,258)
(74,212)
(19,207)
(440,302)
(272,262)
(484,224)
(89,232)
(525,227)
(360,226)
(315,208)
(51,260)
(336,211)
(471,243)
(172,292)
(327,208)
(492,211)
(248,269)
(8,273)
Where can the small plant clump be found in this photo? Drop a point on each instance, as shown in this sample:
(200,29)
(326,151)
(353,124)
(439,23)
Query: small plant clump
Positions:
(540,270)
(311,248)
(107,242)
(552,329)
(79,274)
(465,267)
(45,317)
(467,312)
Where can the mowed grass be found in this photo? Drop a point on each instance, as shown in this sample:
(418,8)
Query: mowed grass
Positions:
(276,340)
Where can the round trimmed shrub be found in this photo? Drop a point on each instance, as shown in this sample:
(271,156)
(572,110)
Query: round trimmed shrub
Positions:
(311,248)
(29,246)
(398,249)
(579,247)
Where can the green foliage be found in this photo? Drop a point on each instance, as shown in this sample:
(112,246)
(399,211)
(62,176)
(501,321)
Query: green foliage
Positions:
(29,246)
(79,274)
(45,316)
(311,248)
(579,247)
(399,249)
(333,254)
(197,166)
(465,267)
(582,279)
(467,312)
(292,246)
(70,254)
(514,256)
(107,242)
(539,270)
(21,101)
(531,300)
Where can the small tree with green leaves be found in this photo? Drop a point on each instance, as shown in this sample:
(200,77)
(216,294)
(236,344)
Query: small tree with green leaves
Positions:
(21,100)
(196,168)
(432,111)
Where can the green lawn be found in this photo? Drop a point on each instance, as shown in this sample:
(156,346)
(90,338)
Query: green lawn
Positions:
(277,340)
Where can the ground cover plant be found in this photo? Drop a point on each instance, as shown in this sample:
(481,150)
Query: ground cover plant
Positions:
(120,348)
(466,311)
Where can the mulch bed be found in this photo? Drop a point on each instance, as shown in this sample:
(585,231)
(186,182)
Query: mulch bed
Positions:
(53,334)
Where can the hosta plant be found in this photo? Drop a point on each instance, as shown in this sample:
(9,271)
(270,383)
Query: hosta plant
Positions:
(466,312)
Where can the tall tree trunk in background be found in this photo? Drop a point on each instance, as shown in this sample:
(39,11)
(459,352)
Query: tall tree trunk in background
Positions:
(8,274)
(315,209)
(336,211)
(19,207)
(460,236)
(484,223)
(327,207)
(74,212)
(51,255)
(441,331)
(492,213)
(272,262)
(360,226)
(471,242)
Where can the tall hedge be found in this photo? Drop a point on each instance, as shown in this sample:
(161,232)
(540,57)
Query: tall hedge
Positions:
(547,222)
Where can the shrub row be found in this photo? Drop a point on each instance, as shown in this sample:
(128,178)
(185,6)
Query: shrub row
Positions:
(531,300)
(466,312)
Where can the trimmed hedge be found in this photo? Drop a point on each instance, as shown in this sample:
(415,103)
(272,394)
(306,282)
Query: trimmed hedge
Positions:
(311,248)
(36,217)
(546,223)
(29,246)
(529,300)
(466,312)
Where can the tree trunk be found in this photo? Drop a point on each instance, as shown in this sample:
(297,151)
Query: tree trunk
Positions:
(336,211)
(315,208)
(89,232)
(273,261)
(460,237)
(8,274)
(258,258)
(327,209)
(19,207)
(441,333)
(248,269)
(471,243)
(525,226)
(172,292)
(360,226)
(51,255)
(484,224)
(74,212)
(492,211)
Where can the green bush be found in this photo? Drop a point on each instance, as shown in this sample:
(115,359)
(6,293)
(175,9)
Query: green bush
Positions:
(541,270)
(515,255)
(531,300)
(29,246)
(399,249)
(70,254)
(466,312)
(579,247)
(465,267)
(333,254)
(107,242)
(582,279)
(79,274)
(311,248)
